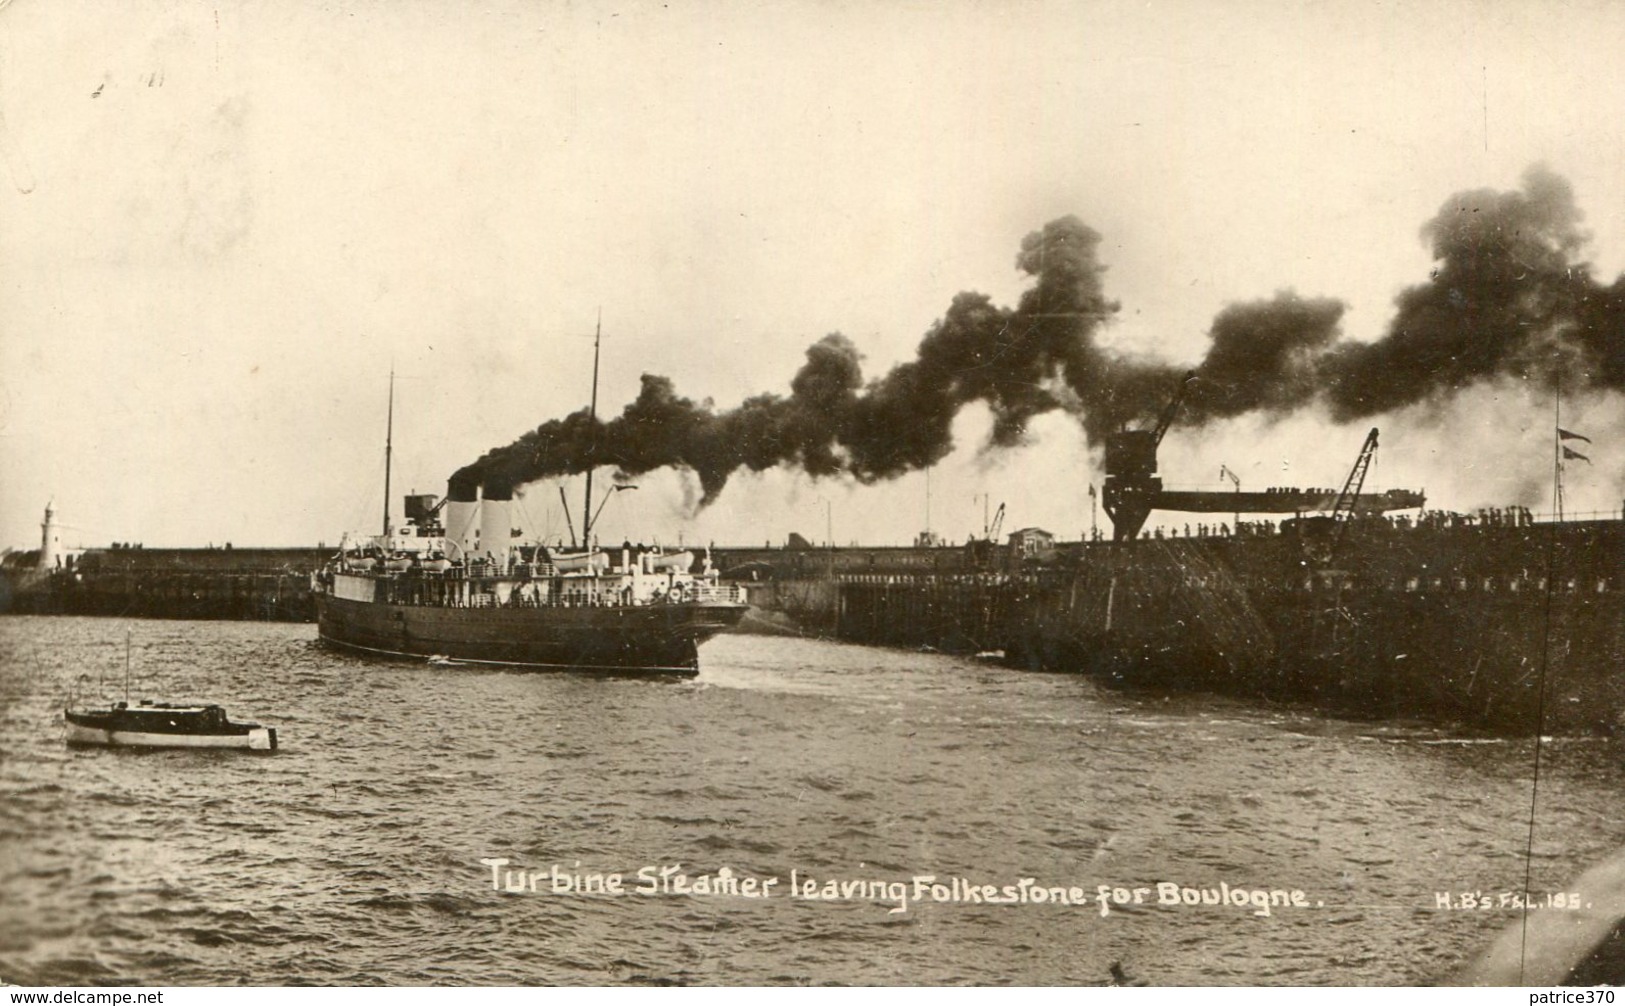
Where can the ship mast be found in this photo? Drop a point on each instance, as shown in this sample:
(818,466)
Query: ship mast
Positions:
(565,504)
(586,509)
(389,446)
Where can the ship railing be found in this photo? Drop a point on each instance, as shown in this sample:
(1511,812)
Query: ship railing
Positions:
(722,593)
(472,571)
(971,578)
(693,593)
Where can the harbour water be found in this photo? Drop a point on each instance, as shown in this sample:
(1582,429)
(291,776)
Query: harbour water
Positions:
(363,851)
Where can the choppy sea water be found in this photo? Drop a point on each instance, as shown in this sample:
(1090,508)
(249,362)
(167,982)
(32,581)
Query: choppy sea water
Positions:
(353,855)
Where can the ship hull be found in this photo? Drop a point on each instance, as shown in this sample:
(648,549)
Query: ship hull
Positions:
(261,739)
(164,727)
(642,639)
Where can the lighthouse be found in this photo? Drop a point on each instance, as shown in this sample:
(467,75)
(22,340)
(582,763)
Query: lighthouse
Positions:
(50,548)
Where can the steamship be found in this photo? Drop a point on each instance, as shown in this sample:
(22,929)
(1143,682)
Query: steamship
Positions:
(465,593)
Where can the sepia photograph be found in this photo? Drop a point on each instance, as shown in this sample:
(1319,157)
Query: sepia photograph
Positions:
(812,493)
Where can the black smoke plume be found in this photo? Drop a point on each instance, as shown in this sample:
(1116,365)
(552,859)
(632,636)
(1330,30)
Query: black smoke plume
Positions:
(1508,299)
(1013,360)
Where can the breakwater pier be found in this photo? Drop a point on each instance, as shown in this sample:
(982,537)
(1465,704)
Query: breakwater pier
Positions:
(250,584)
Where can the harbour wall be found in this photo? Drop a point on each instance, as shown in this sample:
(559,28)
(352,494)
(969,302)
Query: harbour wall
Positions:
(1504,627)
(252,584)
(273,583)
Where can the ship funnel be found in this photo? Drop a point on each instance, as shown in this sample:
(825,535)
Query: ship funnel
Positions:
(462,503)
(496,521)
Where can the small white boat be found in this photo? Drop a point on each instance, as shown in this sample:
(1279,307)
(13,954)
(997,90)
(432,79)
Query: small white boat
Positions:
(580,561)
(165,725)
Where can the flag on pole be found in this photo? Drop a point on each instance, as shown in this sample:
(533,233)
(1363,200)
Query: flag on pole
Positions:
(1091,490)
(1563,434)
(1570,454)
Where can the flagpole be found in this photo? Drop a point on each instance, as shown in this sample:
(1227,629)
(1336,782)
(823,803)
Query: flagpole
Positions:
(1545,663)
(1565,453)
(1557,449)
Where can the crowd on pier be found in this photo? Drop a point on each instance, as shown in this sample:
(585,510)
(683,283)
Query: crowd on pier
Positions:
(1510,516)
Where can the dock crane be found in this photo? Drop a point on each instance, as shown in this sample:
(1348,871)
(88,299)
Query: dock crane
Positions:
(1343,512)
(981,552)
(1322,536)
(1132,486)
(1235,480)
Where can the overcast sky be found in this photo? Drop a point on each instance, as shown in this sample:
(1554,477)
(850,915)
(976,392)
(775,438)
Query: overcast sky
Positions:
(220,225)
